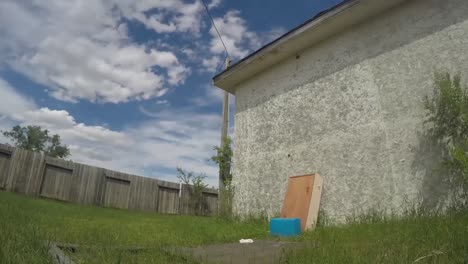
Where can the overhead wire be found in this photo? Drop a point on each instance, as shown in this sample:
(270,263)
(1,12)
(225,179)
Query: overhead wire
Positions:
(216,28)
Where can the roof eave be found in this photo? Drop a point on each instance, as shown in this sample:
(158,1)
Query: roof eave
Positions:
(312,32)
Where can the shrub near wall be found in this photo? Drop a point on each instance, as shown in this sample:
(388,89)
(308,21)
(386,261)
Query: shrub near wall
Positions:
(447,126)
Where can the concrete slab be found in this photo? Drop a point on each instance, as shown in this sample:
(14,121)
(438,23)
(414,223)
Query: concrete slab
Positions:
(259,252)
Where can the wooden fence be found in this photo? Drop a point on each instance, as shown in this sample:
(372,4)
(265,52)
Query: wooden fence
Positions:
(35,174)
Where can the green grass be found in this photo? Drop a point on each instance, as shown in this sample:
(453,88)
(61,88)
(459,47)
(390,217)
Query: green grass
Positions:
(26,222)
(376,239)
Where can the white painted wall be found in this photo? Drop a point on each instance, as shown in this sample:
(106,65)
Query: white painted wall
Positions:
(350,108)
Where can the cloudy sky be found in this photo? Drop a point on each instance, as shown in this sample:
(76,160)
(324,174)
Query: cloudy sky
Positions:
(127,83)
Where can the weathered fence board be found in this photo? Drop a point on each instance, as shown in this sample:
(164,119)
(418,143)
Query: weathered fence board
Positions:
(210,203)
(57,183)
(117,190)
(168,199)
(26,171)
(144,194)
(185,200)
(34,174)
(57,179)
(87,181)
(5,160)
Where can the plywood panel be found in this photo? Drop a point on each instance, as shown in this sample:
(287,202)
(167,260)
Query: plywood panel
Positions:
(314,203)
(297,199)
(57,183)
(168,200)
(117,191)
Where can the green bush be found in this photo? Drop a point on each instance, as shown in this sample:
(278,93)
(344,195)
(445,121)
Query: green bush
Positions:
(447,117)
(196,185)
(223,158)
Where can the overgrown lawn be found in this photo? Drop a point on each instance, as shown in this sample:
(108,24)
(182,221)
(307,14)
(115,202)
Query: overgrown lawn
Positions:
(419,237)
(25,223)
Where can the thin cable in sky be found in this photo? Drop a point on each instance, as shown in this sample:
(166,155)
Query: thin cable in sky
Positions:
(216,28)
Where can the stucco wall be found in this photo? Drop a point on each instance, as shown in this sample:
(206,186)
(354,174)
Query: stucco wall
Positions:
(350,108)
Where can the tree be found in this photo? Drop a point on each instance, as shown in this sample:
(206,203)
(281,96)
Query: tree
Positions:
(34,138)
(196,189)
(447,115)
(223,158)
(184,177)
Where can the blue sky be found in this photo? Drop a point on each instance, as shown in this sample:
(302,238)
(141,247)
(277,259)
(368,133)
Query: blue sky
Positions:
(127,83)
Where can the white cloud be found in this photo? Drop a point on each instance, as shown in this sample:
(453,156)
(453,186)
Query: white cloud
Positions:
(81,50)
(177,139)
(183,17)
(45,117)
(11,101)
(214,3)
(153,110)
(235,34)
(162,102)
(238,38)
(268,36)
(190,53)
(211,64)
(154,22)
(211,96)
(173,138)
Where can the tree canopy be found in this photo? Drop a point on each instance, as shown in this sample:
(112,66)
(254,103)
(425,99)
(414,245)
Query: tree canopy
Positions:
(34,138)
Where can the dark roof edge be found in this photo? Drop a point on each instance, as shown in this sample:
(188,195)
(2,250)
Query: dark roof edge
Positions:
(317,16)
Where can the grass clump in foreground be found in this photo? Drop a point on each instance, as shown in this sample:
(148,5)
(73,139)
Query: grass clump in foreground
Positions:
(25,223)
(418,237)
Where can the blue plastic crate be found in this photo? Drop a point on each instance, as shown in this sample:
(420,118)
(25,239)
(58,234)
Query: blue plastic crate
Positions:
(285,227)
